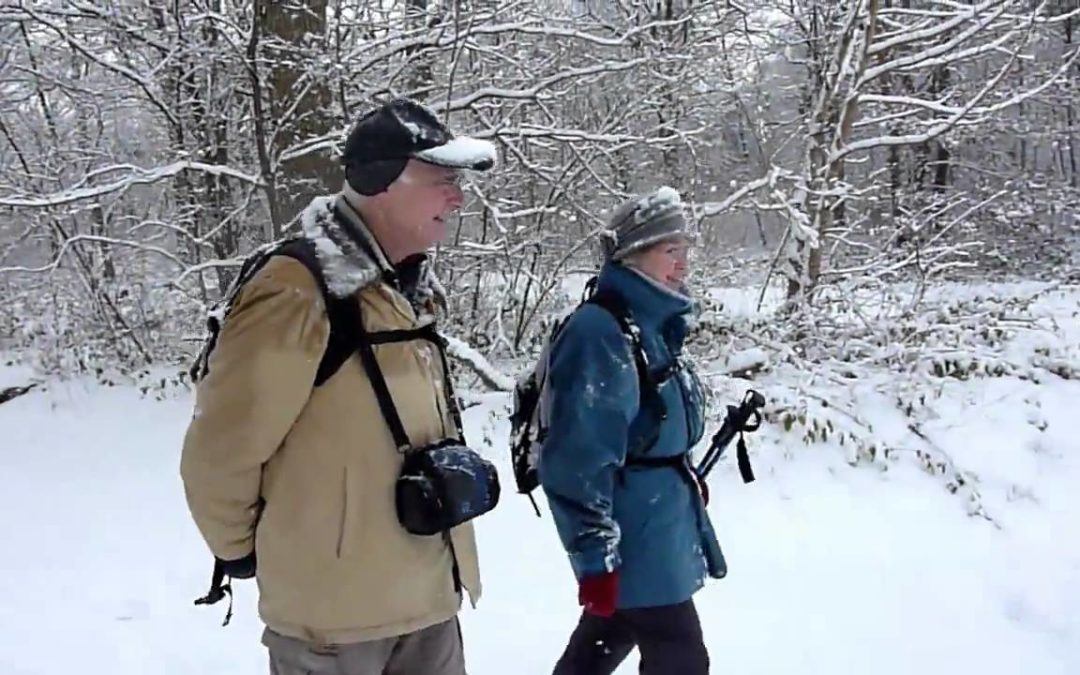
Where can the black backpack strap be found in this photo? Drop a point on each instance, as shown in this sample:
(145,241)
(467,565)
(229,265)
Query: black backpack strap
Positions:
(590,288)
(342,313)
(251,265)
(430,333)
(618,309)
(448,387)
(365,344)
(345,323)
(673,461)
(647,380)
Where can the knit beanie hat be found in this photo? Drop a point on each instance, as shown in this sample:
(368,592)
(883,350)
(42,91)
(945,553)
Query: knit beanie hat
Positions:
(643,221)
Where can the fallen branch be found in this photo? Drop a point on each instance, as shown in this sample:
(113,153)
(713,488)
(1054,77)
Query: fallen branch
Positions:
(10,393)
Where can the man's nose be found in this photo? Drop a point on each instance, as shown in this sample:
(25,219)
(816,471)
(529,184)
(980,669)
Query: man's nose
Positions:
(456,197)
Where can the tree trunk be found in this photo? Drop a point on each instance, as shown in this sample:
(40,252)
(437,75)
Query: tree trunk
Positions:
(300,103)
(420,81)
(1070,110)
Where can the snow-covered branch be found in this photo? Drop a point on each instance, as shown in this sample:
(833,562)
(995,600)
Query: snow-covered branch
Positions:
(545,84)
(980,111)
(710,210)
(69,243)
(490,376)
(933,132)
(924,56)
(147,86)
(935,27)
(137,176)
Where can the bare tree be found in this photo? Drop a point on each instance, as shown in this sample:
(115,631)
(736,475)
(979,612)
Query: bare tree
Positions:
(145,147)
(882,80)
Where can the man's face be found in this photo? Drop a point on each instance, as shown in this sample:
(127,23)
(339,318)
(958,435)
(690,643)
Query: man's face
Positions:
(418,204)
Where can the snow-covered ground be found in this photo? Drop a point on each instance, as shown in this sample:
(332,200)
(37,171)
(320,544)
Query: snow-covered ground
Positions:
(833,568)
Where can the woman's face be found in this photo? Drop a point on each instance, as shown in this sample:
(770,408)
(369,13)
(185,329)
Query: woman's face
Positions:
(665,262)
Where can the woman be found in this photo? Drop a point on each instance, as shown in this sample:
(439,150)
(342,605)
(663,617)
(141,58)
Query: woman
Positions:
(636,531)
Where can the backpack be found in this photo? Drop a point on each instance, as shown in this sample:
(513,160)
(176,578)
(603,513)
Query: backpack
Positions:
(343,313)
(528,421)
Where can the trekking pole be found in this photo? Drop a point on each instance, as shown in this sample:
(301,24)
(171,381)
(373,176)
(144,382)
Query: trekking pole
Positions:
(738,421)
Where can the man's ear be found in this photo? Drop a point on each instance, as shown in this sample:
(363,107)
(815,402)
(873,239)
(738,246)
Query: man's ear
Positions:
(374,178)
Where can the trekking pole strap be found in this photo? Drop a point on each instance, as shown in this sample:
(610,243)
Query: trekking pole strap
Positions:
(218,590)
(743,458)
(746,417)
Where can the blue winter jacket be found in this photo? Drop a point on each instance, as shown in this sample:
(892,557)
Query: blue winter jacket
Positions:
(649,523)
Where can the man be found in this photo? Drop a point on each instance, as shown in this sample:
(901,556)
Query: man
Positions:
(301,478)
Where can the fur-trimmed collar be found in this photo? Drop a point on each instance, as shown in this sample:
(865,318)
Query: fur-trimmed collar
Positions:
(351,258)
(346,266)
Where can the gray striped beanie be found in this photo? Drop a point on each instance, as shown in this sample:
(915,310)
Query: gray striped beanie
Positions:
(643,221)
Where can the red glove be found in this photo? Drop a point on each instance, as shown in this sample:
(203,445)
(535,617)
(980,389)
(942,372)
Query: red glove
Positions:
(598,593)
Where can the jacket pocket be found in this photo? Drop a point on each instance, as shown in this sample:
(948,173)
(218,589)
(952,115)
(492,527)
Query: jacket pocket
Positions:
(343,517)
(354,515)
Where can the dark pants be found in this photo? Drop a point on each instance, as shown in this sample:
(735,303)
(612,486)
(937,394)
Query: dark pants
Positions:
(669,639)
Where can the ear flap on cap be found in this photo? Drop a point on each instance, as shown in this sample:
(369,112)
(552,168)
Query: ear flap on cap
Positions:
(374,177)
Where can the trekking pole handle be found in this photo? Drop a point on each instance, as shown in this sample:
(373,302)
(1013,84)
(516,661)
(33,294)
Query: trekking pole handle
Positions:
(738,421)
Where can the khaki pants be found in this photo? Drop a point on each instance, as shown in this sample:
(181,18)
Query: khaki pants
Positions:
(432,651)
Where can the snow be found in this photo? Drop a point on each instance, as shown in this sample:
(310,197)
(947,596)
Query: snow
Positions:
(415,129)
(833,568)
(664,200)
(14,373)
(461,152)
(745,360)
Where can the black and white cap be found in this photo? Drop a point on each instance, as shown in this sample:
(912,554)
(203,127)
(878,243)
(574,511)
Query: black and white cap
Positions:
(385,139)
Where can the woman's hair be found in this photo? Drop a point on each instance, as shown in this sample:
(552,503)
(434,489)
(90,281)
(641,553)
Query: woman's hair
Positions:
(633,259)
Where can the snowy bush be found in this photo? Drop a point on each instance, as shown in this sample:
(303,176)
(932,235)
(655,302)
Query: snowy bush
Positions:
(863,374)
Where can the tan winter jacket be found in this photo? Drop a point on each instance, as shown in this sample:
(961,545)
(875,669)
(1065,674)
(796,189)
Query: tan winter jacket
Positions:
(334,564)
